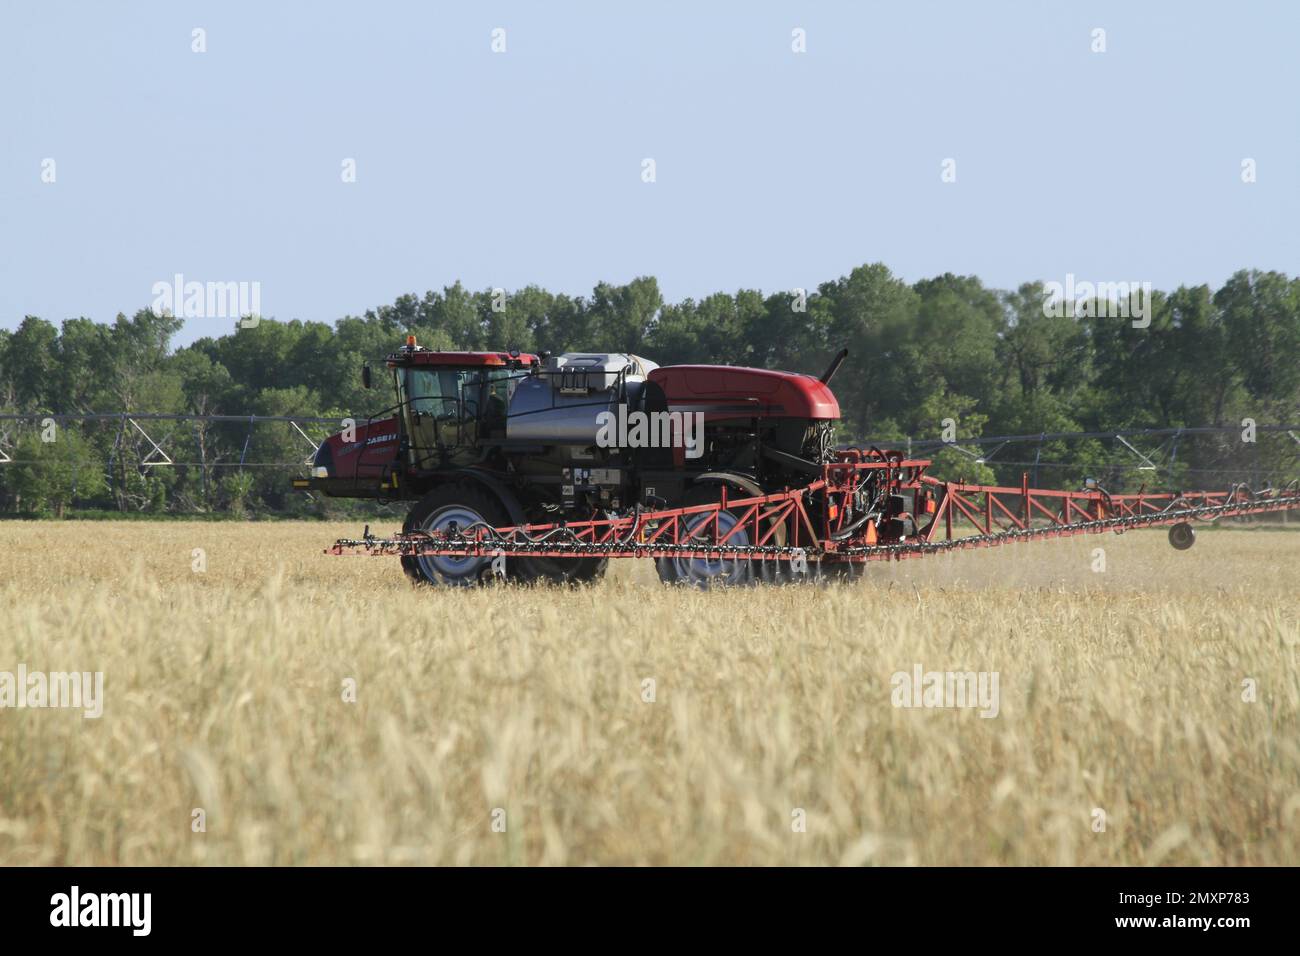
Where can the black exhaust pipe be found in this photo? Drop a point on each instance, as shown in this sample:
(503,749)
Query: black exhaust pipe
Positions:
(834,366)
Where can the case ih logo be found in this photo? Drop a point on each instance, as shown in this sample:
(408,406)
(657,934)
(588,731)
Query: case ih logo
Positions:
(651,430)
(379,439)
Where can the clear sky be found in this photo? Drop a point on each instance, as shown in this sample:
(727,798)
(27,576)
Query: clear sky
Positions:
(774,169)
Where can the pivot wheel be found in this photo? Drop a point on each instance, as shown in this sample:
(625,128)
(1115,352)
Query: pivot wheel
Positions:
(1182,536)
(711,572)
(466,507)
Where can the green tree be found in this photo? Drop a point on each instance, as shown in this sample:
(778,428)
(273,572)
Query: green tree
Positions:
(30,365)
(622,316)
(1261,317)
(456,314)
(47,477)
(872,313)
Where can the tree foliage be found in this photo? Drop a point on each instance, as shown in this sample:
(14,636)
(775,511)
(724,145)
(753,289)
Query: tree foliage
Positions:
(942,348)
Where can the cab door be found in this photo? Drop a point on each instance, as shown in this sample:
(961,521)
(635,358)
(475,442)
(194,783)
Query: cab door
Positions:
(443,406)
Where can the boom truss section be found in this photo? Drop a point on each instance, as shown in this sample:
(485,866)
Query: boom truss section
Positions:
(867,505)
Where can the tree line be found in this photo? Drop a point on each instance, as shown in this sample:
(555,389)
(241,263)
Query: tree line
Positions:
(942,353)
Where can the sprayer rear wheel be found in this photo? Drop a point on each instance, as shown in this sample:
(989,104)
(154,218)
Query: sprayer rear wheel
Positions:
(707,573)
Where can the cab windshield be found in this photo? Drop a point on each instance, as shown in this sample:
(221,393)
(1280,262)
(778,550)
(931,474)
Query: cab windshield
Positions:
(457,393)
(452,411)
(445,393)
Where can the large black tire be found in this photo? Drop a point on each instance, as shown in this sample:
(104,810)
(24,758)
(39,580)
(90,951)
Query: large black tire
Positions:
(465,505)
(588,570)
(705,573)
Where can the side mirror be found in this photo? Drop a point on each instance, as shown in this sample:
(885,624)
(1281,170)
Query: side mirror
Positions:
(365,376)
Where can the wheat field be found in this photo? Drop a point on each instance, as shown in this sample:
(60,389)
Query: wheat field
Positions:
(628,723)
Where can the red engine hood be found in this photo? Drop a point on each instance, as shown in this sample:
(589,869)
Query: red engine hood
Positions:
(374,449)
(725,391)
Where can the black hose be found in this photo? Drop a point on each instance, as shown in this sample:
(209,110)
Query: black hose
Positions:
(847,531)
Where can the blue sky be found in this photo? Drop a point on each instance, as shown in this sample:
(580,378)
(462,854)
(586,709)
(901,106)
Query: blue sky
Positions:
(774,169)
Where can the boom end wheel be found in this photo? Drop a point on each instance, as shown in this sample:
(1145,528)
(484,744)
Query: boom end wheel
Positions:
(1182,536)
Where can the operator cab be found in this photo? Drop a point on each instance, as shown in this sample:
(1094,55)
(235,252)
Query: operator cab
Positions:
(451,402)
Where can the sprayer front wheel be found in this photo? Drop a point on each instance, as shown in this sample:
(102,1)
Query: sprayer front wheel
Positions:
(465,507)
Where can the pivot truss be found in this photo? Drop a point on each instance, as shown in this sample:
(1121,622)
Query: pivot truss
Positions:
(865,506)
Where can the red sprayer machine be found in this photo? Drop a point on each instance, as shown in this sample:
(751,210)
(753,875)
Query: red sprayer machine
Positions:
(543,468)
